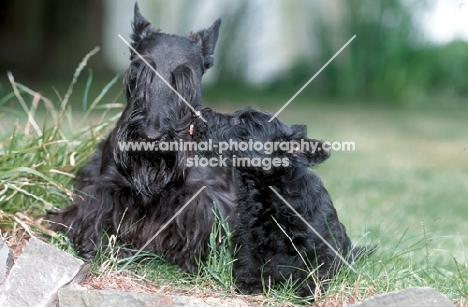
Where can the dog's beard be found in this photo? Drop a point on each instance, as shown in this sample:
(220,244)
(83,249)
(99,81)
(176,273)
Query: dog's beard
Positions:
(152,177)
(152,170)
(150,173)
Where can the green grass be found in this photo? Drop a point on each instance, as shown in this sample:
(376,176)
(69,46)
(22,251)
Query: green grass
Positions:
(405,189)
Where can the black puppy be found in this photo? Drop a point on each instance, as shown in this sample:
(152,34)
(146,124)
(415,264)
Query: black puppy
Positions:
(273,243)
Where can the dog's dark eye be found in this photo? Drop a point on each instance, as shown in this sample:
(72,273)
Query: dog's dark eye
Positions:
(185,81)
(182,76)
(235,121)
(242,132)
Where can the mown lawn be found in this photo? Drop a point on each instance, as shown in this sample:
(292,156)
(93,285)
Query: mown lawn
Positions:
(409,172)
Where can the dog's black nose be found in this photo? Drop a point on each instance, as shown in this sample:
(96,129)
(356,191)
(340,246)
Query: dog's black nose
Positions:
(152,134)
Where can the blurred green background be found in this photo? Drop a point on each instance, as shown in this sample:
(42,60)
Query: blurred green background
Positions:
(272,46)
(399,93)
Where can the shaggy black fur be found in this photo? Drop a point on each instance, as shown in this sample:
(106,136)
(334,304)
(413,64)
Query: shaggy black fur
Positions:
(274,245)
(131,194)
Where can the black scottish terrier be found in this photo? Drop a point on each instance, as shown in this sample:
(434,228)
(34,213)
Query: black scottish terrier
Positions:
(132,194)
(274,244)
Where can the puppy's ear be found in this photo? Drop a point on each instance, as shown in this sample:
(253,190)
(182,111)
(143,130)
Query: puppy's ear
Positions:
(142,28)
(317,152)
(309,152)
(207,39)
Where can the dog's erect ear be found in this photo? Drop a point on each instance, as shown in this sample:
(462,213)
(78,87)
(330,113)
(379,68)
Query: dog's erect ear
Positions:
(310,152)
(142,28)
(207,39)
(317,152)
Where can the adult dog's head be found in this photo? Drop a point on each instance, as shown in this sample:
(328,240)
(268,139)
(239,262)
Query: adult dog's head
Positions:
(165,70)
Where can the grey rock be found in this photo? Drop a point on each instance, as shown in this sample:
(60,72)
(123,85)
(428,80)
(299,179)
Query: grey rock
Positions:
(77,296)
(411,297)
(38,274)
(6,259)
